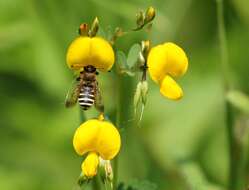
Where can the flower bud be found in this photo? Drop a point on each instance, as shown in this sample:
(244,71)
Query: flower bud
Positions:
(140,19)
(83,29)
(117,33)
(137,95)
(94,27)
(108,170)
(150,14)
(144,91)
(145,47)
(105,171)
(141,58)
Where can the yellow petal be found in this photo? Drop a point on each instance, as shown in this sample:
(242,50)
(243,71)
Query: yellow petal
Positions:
(90,165)
(94,51)
(78,53)
(108,144)
(156,63)
(170,89)
(97,136)
(177,61)
(102,55)
(166,59)
(85,137)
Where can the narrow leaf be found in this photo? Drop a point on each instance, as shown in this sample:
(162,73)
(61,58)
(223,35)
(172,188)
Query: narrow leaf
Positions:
(239,100)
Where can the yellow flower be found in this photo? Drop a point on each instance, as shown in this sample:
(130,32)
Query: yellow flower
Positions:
(99,138)
(164,62)
(85,51)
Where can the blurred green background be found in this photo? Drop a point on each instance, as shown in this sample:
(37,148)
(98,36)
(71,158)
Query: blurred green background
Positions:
(181,145)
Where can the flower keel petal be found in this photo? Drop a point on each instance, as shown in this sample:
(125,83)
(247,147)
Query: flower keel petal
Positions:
(90,165)
(170,89)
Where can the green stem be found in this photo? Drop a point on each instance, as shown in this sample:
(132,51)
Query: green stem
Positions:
(122,112)
(115,171)
(117,123)
(229,115)
(82,116)
(96,183)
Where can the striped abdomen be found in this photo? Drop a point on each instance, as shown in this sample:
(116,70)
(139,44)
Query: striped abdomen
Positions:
(86,97)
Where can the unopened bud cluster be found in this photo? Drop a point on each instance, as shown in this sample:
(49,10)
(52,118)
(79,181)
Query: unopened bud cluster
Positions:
(144,18)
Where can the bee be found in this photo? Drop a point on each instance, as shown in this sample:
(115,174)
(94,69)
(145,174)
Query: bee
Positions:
(85,90)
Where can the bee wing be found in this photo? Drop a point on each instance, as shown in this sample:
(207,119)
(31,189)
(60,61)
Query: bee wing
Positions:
(98,99)
(72,94)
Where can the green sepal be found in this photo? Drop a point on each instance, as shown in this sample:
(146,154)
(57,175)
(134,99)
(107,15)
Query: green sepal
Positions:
(82,180)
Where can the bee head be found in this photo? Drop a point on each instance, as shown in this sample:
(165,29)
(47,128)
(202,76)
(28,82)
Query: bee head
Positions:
(90,69)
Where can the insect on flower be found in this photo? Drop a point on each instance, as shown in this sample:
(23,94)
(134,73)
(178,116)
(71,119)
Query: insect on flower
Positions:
(86,54)
(85,90)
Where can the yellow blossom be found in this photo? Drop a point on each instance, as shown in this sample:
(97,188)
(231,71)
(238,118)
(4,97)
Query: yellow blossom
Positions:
(98,137)
(164,62)
(95,51)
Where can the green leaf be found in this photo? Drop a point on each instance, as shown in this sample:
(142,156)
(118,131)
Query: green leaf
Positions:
(239,100)
(122,64)
(133,55)
(121,60)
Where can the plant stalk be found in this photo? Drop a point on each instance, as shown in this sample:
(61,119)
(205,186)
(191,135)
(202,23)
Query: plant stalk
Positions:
(123,112)
(117,123)
(82,116)
(229,115)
